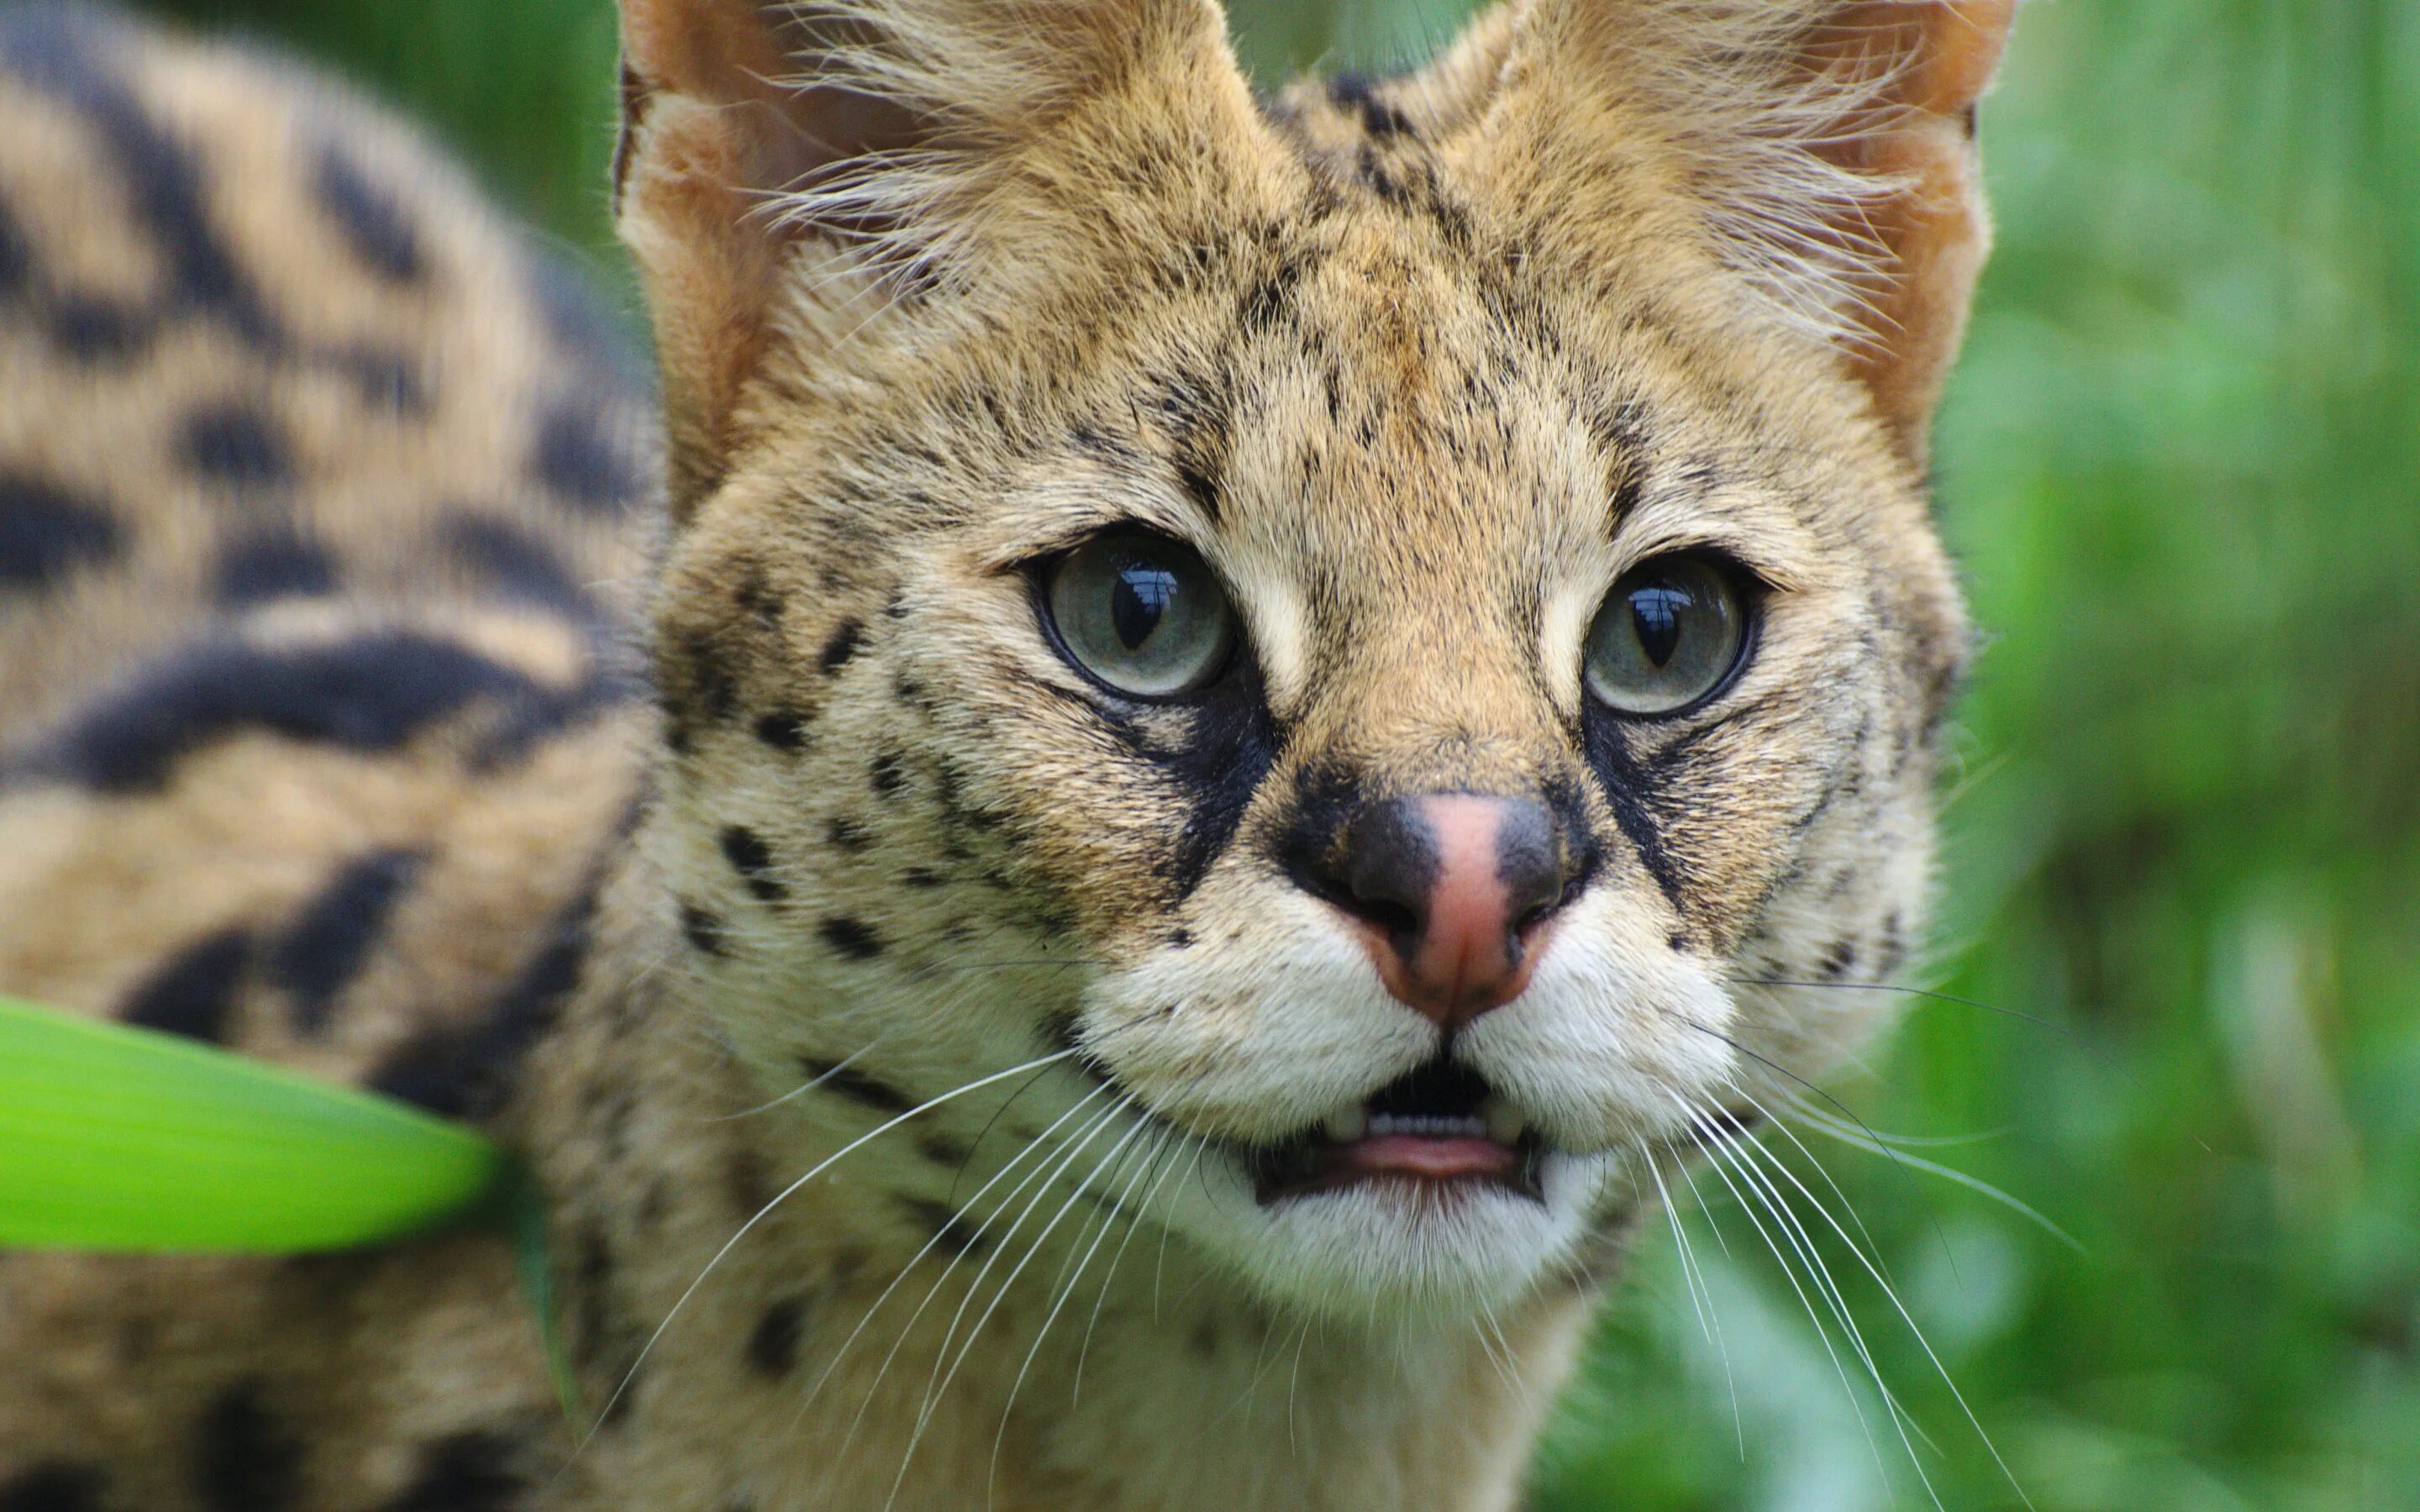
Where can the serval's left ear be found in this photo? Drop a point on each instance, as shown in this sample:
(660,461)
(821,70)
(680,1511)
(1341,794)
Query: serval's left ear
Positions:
(1823,151)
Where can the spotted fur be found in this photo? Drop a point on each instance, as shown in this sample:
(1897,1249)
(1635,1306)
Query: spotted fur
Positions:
(888,1010)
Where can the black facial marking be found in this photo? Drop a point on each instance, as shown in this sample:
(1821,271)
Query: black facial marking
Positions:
(849,1082)
(337,931)
(951,1232)
(752,859)
(47,533)
(1630,791)
(61,50)
(57,1487)
(193,992)
(246,1461)
(849,836)
(372,224)
(369,693)
(852,937)
(702,929)
(271,563)
(773,1345)
(517,563)
(574,455)
(237,447)
(842,645)
(1223,746)
(466,1072)
(472,1472)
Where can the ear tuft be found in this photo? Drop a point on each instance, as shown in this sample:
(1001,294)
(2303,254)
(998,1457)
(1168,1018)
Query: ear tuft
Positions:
(1824,146)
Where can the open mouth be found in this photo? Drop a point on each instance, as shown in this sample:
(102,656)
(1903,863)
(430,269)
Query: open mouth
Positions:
(1440,1126)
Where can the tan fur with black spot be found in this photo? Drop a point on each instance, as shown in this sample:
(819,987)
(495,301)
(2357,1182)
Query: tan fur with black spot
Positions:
(941,288)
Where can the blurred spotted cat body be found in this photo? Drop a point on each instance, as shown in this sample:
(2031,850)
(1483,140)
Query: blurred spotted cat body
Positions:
(1107,877)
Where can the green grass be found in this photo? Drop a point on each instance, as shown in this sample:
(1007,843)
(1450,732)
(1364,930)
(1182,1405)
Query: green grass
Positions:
(2180,468)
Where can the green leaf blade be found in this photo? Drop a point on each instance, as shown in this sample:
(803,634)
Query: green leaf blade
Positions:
(123,1140)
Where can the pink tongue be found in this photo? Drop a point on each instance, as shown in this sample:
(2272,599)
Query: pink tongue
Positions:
(1419,1155)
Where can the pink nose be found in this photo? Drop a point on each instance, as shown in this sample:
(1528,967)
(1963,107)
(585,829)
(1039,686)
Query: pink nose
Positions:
(1454,890)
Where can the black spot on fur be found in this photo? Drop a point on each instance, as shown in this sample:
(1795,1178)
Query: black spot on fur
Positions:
(851,835)
(236,446)
(64,51)
(759,599)
(369,693)
(466,1072)
(247,1460)
(387,382)
(752,859)
(1356,93)
(951,1231)
(373,224)
(849,1082)
(517,562)
(702,929)
(577,460)
(335,934)
(888,773)
(944,1150)
(783,730)
(773,1344)
(47,533)
(840,646)
(194,991)
(53,1488)
(16,256)
(1890,952)
(744,1179)
(275,562)
(89,329)
(1838,961)
(852,937)
(916,876)
(1203,487)
(474,1472)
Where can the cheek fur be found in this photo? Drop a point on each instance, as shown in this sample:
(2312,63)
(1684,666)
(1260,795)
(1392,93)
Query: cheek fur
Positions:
(1619,1028)
(1269,1019)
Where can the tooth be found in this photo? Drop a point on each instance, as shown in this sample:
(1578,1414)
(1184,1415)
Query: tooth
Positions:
(1503,1121)
(1345,1127)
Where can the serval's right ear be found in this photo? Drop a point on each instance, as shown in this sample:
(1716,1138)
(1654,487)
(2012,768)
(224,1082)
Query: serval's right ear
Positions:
(792,168)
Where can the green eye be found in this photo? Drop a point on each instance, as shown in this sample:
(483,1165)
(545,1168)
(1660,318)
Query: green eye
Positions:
(1668,635)
(1141,613)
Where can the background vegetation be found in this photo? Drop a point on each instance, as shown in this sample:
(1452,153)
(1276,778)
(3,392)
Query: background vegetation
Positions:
(2179,466)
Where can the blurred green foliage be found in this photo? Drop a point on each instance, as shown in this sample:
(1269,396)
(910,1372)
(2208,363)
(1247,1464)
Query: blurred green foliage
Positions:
(2181,467)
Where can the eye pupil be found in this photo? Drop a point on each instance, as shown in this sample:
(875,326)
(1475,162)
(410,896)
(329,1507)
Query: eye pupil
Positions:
(1140,602)
(1667,637)
(1655,616)
(1140,613)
